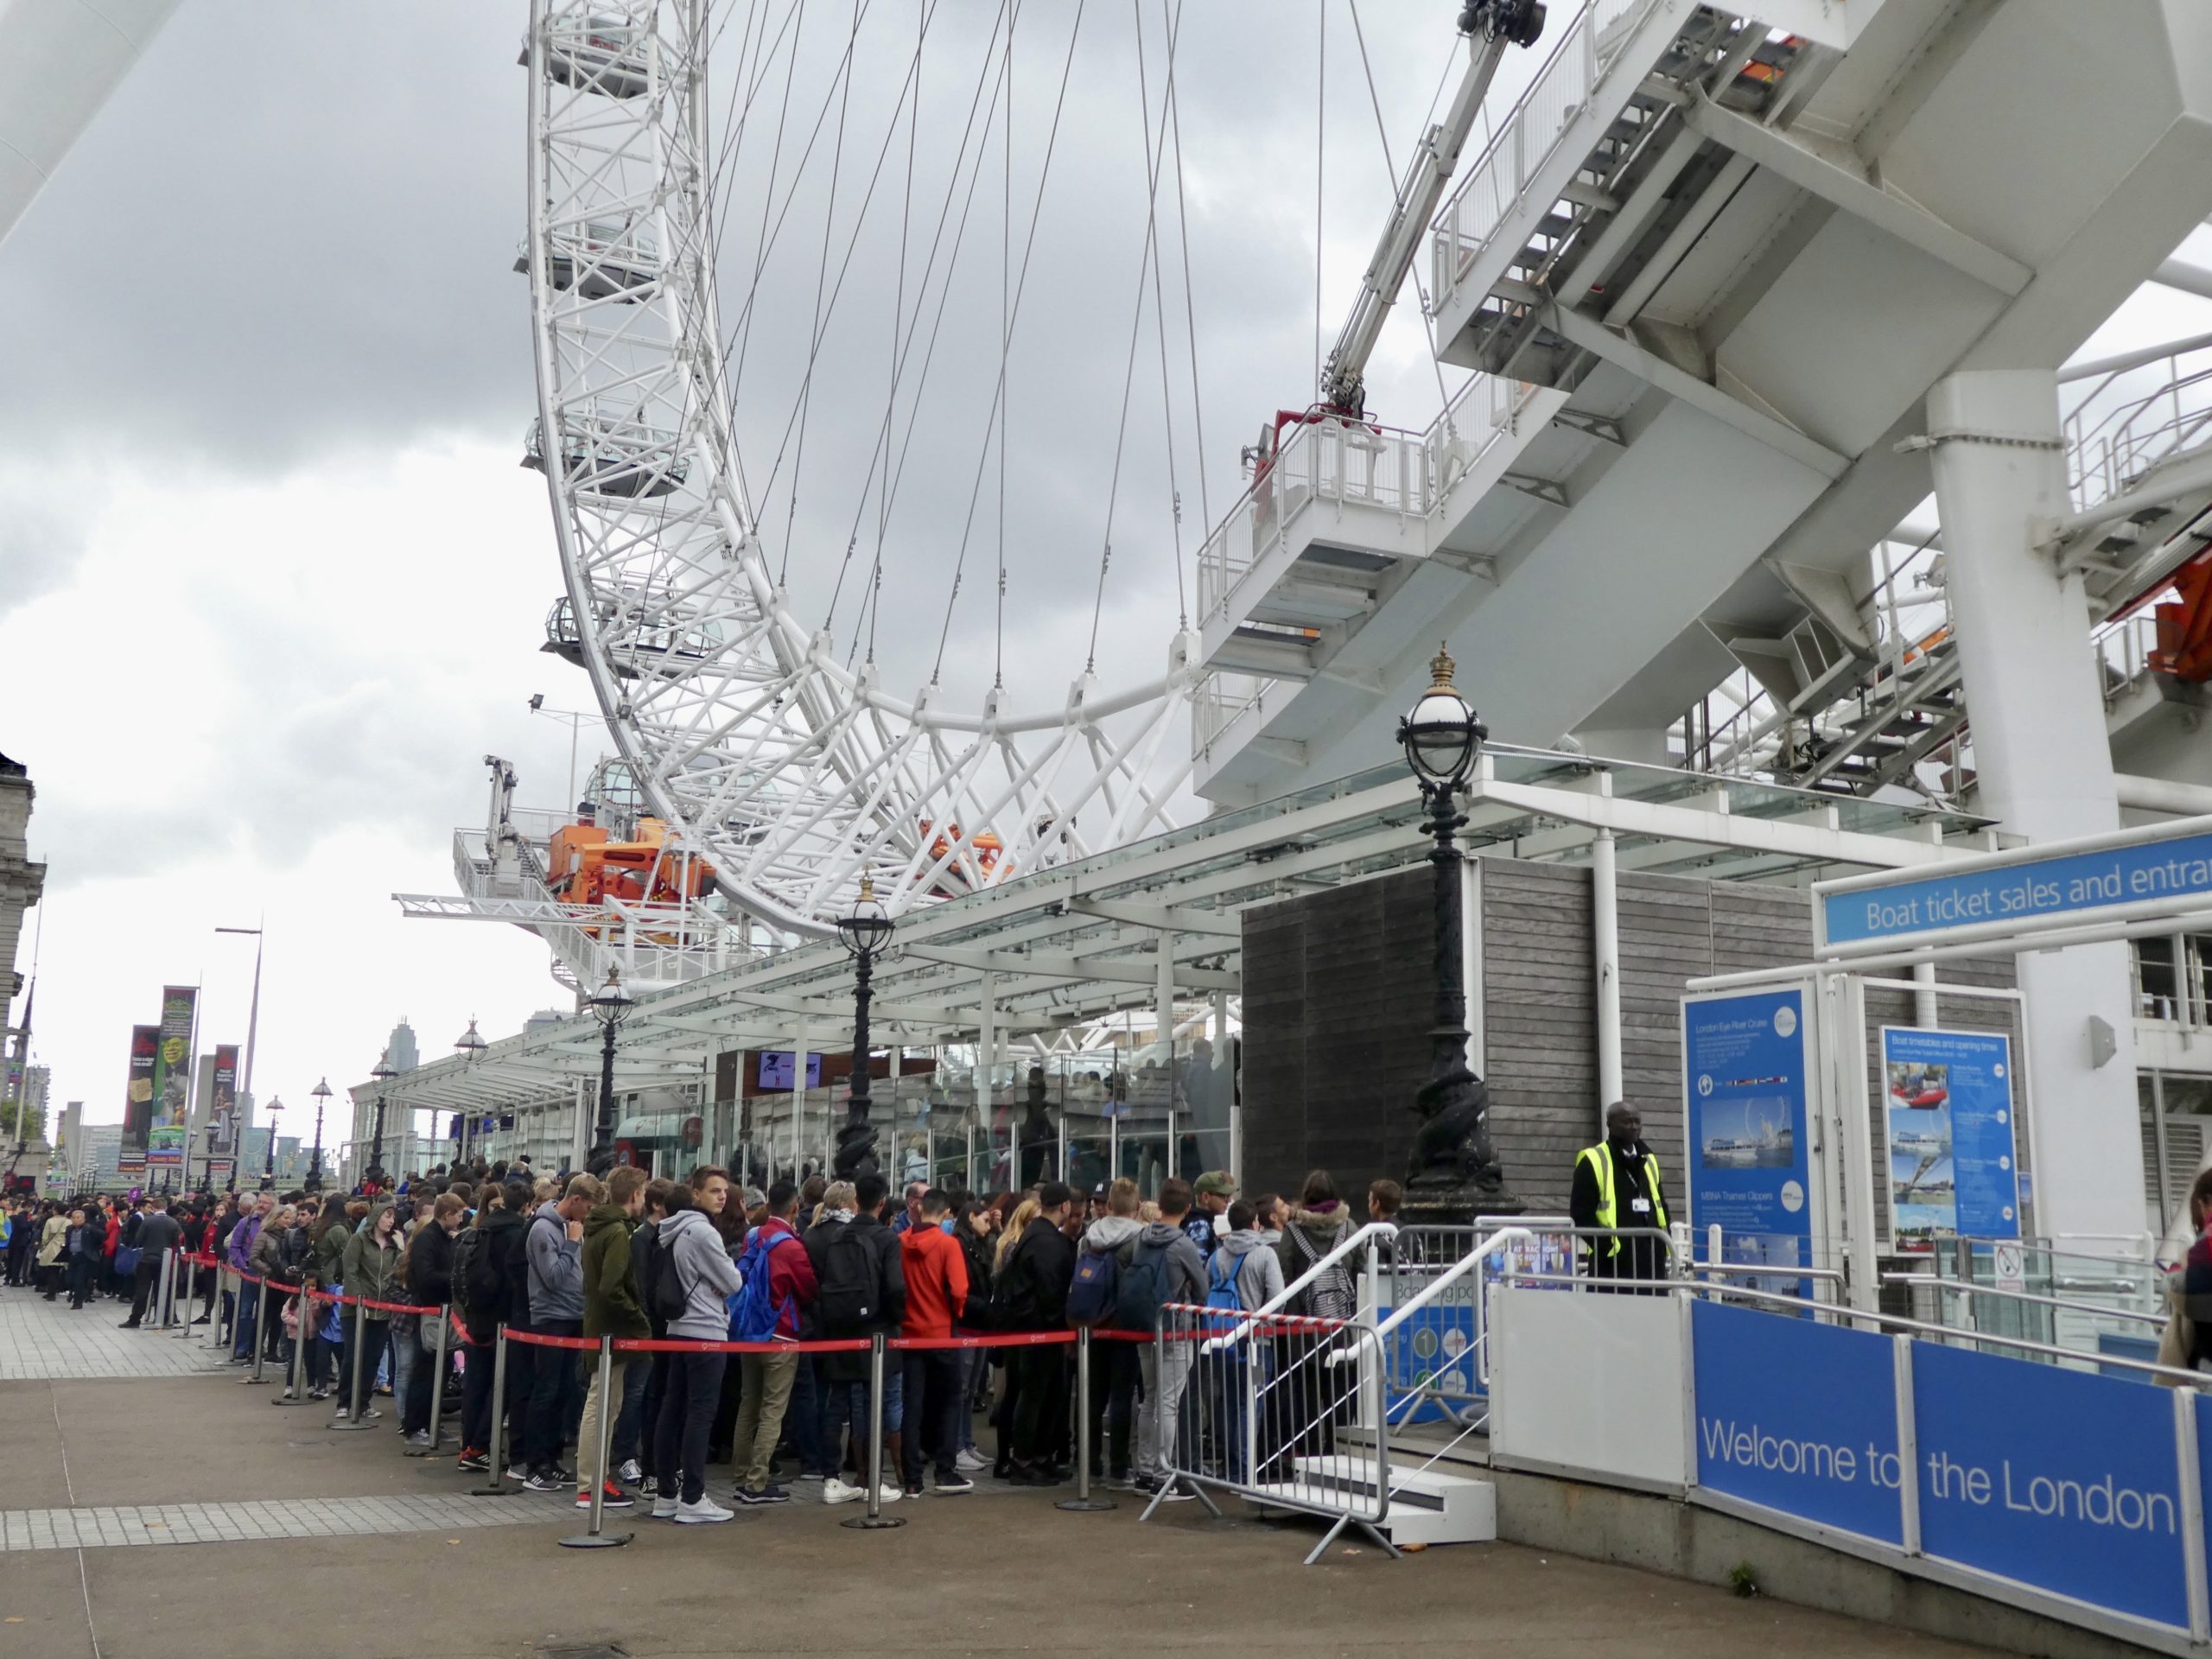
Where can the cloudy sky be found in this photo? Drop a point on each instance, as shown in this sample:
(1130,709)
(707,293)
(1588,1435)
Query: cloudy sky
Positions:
(272,583)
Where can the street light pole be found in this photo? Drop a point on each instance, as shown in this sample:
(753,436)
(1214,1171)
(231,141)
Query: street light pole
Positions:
(471,1048)
(268,1165)
(611,1006)
(1454,1172)
(252,1031)
(865,932)
(321,1093)
(382,1075)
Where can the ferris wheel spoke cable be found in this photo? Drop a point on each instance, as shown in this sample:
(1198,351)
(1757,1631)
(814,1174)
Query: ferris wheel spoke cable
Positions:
(1190,309)
(1382,133)
(1159,303)
(741,333)
(1136,329)
(737,117)
(881,457)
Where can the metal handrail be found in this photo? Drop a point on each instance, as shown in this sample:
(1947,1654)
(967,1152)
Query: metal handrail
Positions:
(1366,1235)
(2184,1378)
(1452,1274)
(1924,1281)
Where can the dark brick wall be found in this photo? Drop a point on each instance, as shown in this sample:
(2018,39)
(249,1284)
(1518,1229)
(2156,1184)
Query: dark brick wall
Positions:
(1337,1006)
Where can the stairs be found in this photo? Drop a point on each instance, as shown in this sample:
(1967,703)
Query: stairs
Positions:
(1427,1506)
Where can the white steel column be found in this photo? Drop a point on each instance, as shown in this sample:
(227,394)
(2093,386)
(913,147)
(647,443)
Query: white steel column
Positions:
(2044,764)
(581,1139)
(1164,948)
(799,1103)
(1606,929)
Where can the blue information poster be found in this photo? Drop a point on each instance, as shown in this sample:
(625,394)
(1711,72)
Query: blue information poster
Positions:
(1745,1067)
(1952,1166)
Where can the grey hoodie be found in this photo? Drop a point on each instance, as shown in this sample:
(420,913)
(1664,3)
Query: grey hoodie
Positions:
(702,1267)
(1109,1233)
(556,1267)
(1186,1268)
(1259,1274)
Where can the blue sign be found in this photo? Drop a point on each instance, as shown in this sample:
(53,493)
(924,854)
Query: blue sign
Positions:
(777,1065)
(1745,1067)
(2176,867)
(1951,1158)
(1799,1417)
(2056,1478)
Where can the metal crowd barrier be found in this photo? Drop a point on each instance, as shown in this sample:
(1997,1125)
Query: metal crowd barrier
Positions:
(1272,1390)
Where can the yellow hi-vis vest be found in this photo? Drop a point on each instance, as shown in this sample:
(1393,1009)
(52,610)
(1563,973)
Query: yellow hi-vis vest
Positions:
(1601,1159)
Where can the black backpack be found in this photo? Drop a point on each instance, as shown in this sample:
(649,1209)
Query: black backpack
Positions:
(667,1298)
(1143,1289)
(484,1292)
(851,1291)
(467,1247)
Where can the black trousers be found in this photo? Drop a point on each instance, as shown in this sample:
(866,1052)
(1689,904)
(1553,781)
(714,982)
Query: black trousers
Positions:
(1041,1409)
(556,1395)
(143,1282)
(476,1397)
(934,1394)
(687,1412)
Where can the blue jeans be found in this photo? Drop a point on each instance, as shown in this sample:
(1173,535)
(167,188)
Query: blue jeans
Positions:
(846,1403)
(804,1418)
(630,1419)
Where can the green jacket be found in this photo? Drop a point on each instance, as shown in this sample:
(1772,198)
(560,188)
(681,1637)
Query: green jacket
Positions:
(371,1268)
(612,1306)
(329,1265)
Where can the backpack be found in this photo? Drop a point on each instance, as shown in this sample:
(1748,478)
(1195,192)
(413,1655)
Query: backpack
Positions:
(753,1316)
(486,1284)
(669,1301)
(465,1247)
(1096,1290)
(1143,1289)
(1330,1296)
(852,1283)
(1222,1289)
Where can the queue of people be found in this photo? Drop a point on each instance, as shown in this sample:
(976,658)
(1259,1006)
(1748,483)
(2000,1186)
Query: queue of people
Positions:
(634,1258)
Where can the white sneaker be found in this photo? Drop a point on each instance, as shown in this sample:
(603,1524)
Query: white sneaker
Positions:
(886,1493)
(835,1491)
(665,1508)
(705,1510)
(629,1472)
(970,1462)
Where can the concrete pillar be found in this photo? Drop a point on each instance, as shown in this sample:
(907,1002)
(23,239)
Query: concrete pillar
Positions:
(986,1055)
(1164,950)
(1605,930)
(1471,962)
(2043,764)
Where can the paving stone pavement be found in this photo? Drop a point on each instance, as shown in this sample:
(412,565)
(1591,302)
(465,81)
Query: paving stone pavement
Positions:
(256,1520)
(41,1339)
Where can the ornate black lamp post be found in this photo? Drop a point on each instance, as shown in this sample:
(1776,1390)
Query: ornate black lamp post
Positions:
(1455,1174)
(472,1048)
(865,932)
(321,1093)
(611,1007)
(381,1075)
(268,1165)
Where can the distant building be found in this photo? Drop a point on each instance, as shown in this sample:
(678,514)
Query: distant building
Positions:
(21,881)
(400,1053)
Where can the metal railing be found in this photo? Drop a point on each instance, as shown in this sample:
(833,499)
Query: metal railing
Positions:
(2133,417)
(1524,140)
(1269,1392)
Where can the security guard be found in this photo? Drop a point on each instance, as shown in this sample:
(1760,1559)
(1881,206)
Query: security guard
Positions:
(1616,1186)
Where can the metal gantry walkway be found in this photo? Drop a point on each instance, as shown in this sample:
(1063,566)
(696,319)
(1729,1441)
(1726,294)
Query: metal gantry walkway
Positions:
(1707,270)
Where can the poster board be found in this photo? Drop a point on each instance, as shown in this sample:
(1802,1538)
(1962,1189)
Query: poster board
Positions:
(1750,1121)
(1951,1125)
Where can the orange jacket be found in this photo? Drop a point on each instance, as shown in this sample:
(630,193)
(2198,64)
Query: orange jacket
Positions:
(937,1281)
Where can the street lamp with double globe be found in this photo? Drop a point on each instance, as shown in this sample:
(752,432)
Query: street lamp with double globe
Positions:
(610,1007)
(865,932)
(1454,1171)
(471,1047)
(268,1165)
(380,1075)
(321,1093)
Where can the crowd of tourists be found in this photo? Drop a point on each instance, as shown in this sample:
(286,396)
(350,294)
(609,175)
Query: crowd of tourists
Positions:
(633,1257)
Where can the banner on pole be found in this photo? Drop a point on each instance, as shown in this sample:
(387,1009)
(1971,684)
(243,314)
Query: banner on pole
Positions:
(1953,1168)
(172,1080)
(138,1100)
(222,1121)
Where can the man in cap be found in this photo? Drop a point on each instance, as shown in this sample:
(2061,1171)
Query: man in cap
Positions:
(1214,1190)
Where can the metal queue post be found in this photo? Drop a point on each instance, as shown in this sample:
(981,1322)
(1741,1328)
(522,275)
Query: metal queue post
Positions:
(608,1406)
(875,1520)
(295,1390)
(1083,1502)
(437,1389)
(260,1335)
(354,1407)
(499,1487)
